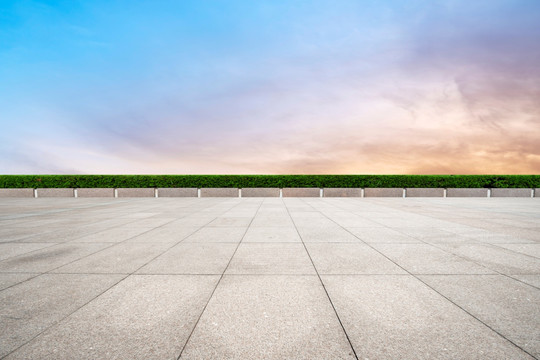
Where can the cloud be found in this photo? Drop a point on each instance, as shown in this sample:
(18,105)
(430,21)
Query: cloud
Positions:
(440,88)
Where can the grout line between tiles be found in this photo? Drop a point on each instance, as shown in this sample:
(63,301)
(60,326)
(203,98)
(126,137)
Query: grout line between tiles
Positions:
(323,286)
(217,283)
(71,313)
(436,291)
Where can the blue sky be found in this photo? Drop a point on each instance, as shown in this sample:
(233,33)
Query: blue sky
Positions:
(270,87)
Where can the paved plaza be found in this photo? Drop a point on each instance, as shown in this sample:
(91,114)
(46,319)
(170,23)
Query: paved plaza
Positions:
(270,278)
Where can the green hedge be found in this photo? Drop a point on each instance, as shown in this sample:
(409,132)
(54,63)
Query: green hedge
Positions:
(245,181)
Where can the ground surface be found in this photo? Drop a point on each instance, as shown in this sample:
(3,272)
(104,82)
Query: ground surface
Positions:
(269,278)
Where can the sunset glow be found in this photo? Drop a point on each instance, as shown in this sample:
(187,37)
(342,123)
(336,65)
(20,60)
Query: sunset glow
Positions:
(270,87)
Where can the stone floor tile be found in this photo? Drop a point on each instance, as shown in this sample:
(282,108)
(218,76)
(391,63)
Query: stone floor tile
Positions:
(496,258)
(272,234)
(427,259)
(10,279)
(217,235)
(326,234)
(49,258)
(350,258)
(526,249)
(506,305)
(270,317)
(11,249)
(533,280)
(192,258)
(122,258)
(399,317)
(143,317)
(30,307)
(271,258)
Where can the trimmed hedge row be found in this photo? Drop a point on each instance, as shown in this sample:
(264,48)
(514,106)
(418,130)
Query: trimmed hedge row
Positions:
(280,181)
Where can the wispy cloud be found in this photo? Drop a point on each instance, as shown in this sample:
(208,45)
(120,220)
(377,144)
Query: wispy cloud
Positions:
(446,87)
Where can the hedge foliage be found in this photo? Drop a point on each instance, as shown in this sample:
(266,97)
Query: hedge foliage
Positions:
(281,181)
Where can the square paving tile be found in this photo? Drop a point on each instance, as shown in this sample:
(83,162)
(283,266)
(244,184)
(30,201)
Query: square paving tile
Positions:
(270,317)
(192,258)
(272,234)
(10,279)
(217,234)
(122,258)
(117,234)
(350,258)
(496,258)
(328,234)
(353,221)
(271,258)
(168,235)
(428,233)
(427,259)
(272,221)
(381,235)
(506,305)
(399,317)
(231,221)
(526,249)
(30,307)
(11,249)
(49,258)
(143,317)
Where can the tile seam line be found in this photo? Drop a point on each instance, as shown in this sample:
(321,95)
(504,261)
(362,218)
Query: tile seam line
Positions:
(218,282)
(134,272)
(29,252)
(74,241)
(496,272)
(436,291)
(70,242)
(447,205)
(322,283)
(432,245)
(56,323)
(453,206)
(78,237)
(60,210)
(523,282)
(182,240)
(477,263)
(105,248)
(498,245)
(64,318)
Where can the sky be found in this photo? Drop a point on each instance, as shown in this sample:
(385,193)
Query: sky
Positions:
(270,87)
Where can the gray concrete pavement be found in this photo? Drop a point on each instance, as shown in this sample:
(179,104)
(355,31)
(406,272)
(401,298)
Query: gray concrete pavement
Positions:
(270,278)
